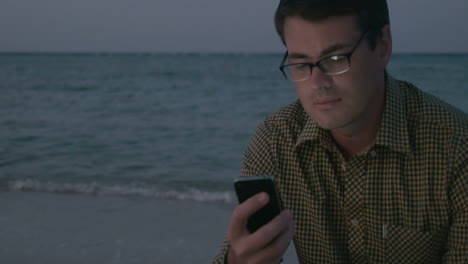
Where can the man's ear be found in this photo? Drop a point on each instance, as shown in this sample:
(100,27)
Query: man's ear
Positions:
(384,46)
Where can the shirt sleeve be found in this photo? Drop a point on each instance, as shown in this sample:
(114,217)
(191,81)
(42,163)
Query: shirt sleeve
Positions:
(259,157)
(457,240)
(221,258)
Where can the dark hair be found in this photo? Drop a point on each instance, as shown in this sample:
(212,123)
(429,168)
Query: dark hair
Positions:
(372,15)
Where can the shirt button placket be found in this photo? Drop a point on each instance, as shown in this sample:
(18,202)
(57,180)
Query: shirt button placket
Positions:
(356,227)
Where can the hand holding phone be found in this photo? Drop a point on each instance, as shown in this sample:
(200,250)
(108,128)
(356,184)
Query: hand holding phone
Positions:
(248,242)
(247,187)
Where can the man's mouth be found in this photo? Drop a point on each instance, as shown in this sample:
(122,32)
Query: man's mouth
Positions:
(326,104)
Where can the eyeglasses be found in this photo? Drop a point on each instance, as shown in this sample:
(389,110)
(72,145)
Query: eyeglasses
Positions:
(333,65)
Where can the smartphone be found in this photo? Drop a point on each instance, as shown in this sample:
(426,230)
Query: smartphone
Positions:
(247,187)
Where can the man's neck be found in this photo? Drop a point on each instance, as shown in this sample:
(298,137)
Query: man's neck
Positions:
(362,134)
(353,142)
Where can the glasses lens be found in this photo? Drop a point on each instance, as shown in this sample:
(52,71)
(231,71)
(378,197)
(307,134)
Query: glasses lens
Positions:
(297,72)
(335,65)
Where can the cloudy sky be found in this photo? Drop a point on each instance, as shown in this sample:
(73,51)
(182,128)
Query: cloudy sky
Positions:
(201,25)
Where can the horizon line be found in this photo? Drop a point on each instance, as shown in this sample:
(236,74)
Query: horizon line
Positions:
(200,52)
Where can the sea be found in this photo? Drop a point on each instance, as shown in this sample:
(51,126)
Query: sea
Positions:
(168,126)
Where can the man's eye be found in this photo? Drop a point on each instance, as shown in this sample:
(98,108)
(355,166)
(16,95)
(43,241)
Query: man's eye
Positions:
(299,66)
(337,58)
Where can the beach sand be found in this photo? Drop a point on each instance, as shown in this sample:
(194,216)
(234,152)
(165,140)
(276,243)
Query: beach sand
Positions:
(70,228)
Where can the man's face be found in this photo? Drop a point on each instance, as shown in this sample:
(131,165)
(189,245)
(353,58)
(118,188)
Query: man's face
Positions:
(341,101)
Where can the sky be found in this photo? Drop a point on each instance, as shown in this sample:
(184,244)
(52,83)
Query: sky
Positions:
(201,26)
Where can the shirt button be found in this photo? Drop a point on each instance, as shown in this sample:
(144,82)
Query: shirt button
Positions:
(373,153)
(343,166)
(355,222)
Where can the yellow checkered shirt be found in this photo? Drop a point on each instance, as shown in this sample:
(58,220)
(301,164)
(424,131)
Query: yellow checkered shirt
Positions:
(402,200)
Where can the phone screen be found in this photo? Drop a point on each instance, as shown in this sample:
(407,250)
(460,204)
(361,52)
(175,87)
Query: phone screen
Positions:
(247,187)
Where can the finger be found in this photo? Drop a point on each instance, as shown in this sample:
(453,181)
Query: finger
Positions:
(274,228)
(274,251)
(267,233)
(240,216)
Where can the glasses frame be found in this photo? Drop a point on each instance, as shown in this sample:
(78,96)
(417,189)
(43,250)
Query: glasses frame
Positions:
(318,64)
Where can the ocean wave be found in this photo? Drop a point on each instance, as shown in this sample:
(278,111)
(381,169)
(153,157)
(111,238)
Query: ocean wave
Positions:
(116,190)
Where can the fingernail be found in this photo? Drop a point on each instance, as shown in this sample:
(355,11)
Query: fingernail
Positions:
(263,197)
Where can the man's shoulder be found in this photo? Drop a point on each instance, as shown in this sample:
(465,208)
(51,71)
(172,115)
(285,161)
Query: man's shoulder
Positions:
(290,118)
(426,109)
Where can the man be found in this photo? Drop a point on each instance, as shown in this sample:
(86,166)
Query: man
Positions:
(369,169)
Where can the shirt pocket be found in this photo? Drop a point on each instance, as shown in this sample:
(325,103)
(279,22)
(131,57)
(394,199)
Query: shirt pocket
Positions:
(410,246)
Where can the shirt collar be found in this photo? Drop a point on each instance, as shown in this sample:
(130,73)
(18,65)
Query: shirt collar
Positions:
(393,132)
(312,132)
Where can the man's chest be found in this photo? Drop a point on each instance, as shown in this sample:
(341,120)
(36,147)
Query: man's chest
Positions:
(377,208)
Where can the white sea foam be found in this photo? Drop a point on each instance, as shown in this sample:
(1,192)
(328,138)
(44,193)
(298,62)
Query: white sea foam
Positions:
(96,189)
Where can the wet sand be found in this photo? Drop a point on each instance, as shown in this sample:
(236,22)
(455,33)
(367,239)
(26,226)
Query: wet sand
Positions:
(69,228)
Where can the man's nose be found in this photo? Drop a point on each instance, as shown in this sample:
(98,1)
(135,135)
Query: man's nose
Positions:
(318,79)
